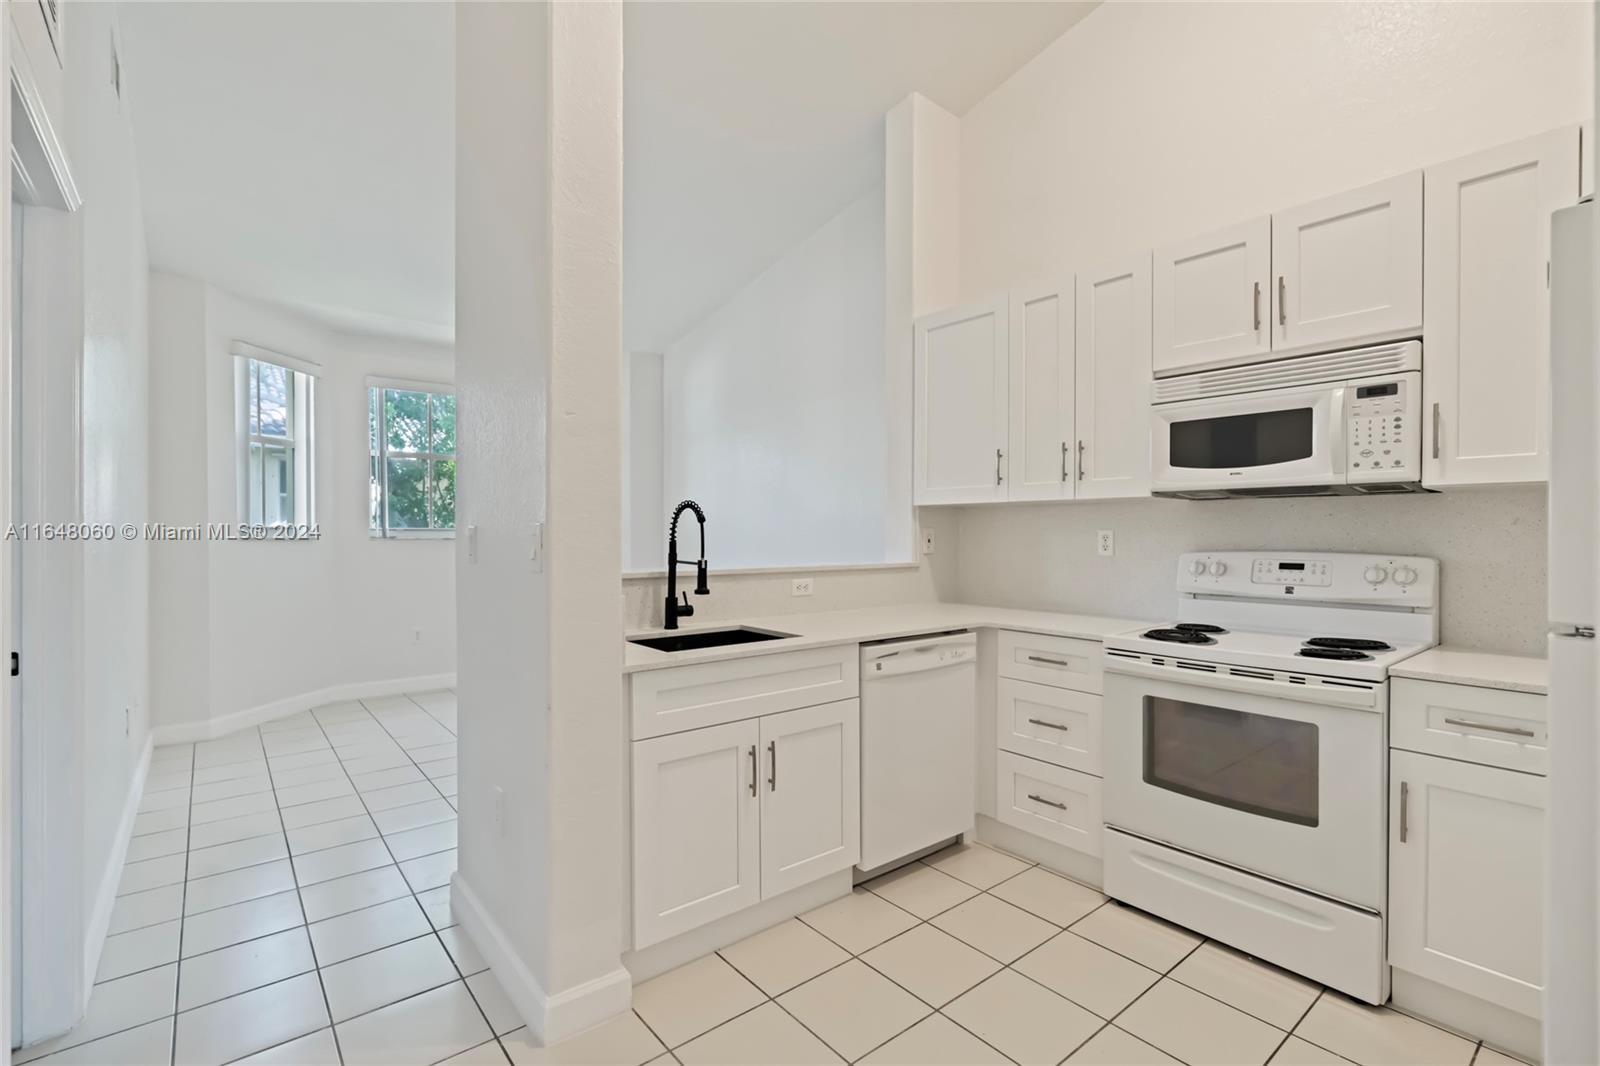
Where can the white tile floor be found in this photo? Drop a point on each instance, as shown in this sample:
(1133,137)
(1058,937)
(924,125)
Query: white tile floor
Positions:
(286,900)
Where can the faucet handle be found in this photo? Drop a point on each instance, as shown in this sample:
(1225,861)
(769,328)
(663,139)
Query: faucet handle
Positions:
(686,609)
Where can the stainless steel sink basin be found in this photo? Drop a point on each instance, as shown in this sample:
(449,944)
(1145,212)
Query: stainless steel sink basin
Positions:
(695,639)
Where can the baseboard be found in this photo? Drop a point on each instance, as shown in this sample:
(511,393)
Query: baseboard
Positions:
(1476,1019)
(105,897)
(222,725)
(552,1018)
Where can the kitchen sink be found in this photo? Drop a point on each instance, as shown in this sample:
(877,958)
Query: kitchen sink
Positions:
(693,640)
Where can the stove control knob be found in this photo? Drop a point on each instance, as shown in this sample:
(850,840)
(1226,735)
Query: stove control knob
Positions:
(1376,575)
(1197,567)
(1218,568)
(1404,575)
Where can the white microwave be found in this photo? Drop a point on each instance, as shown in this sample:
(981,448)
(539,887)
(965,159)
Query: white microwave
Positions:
(1334,424)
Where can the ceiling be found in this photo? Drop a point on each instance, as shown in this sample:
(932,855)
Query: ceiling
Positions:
(748,125)
(302,154)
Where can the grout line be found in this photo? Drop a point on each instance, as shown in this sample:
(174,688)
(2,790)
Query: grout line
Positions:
(183,905)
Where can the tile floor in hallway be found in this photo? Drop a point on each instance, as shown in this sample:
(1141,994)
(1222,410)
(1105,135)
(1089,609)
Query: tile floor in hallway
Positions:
(286,900)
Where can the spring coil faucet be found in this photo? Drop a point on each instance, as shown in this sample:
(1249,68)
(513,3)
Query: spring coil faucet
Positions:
(675,610)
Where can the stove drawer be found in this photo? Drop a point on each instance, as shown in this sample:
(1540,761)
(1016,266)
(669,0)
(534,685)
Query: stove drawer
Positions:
(1058,725)
(1051,802)
(1489,726)
(1064,662)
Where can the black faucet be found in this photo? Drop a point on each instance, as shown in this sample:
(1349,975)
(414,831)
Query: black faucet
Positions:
(676,610)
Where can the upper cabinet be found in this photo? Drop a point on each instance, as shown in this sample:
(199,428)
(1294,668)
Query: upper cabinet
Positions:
(1342,271)
(1074,390)
(1485,380)
(1113,381)
(1211,299)
(1042,390)
(1347,270)
(962,405)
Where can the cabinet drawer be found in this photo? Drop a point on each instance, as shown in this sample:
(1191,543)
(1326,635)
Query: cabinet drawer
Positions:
(689,697)
(1048,801)
(1490,726)
(1057,725)
(1060,661)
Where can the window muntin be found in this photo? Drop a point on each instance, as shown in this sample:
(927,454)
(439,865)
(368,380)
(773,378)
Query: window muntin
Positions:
(412,465)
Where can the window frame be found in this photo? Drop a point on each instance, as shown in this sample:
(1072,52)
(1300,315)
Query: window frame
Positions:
(378,526)
(300,441)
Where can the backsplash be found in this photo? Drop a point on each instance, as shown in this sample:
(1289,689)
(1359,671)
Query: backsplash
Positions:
(1490,544)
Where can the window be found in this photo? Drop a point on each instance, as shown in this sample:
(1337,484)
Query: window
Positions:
(412,438)
(275,468)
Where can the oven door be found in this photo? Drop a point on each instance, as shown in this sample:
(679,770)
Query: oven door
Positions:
(1282,437)
(1283,787)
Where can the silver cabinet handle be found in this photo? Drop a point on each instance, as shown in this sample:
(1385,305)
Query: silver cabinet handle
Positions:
(754,773)
(1405,804)
(1283,310)
(997,466)
(1048,803)
(1255,307)
(772,753)
(1080,460)
(1044,659)
(1064,474)
(1510,730)
(1436,431)
(1049,724)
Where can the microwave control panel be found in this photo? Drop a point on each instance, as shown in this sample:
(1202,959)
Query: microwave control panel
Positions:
(1382,437)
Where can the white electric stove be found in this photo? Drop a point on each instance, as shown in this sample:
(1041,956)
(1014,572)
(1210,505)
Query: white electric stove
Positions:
(1246,754)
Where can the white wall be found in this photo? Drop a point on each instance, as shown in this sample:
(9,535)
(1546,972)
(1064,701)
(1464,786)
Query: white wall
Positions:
(1150,122)
(775,405)
(643,517)
(253,624)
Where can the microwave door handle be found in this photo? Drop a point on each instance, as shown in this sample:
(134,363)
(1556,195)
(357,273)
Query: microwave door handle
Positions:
(1336,438)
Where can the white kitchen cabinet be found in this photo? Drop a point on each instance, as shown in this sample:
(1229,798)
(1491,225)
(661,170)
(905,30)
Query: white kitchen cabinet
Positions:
(1211,299)
(1041,386)
(1113,380)
(1347,269)
(1466,877)
(1062,806)
(696,828)
(1055,725)
(962,405)
(810,794)
(1486,300)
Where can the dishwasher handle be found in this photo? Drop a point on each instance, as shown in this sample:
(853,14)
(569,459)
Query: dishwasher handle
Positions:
(917,655)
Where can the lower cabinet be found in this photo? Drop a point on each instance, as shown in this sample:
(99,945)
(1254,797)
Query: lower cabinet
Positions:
(1059,805)
(729,815)
(1466,877)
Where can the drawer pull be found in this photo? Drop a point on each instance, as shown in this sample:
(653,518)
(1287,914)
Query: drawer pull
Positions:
(1507,729)
(1047,660)
(1405,810)
(1049,725)
(1048,803)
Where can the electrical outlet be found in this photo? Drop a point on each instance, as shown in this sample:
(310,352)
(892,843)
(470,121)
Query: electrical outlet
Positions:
(472,544)
(499,811)
(1105,543)
(800,587)
(416,636)
(927,542)
(127,722)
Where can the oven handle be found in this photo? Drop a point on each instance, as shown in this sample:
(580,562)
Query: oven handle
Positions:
(1360,699)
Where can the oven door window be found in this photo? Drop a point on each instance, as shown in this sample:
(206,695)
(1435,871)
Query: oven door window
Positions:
(1237,442)
(1250,762)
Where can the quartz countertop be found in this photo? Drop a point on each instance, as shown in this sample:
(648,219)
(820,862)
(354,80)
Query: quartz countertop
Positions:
(1463,666)
(825,628)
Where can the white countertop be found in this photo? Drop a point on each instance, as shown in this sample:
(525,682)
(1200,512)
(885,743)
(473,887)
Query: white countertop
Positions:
(1463,666)
(826,628)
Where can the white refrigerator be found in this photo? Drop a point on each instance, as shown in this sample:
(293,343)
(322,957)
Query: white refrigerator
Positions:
(1572,873)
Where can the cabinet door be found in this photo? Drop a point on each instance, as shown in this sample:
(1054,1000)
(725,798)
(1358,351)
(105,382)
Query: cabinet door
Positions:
(810,794)
(1466,877)
(1113,379)
(961,405)
(1348,269)
(1486,300)
(1041,387)
(1211,299)
(696,820)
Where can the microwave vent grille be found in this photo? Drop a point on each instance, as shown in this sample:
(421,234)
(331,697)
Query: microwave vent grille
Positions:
(1377,360)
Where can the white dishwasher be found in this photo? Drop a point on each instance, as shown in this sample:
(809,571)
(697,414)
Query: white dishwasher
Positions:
(919,700)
